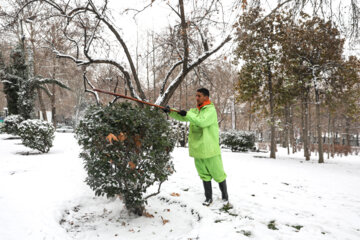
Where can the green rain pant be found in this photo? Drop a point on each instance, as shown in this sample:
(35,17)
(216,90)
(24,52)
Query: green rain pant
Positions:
(210,168)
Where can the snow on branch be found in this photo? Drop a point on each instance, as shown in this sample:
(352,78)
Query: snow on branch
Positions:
(163,98)
(168,75)
(76,60)
(86,81)
(8,82)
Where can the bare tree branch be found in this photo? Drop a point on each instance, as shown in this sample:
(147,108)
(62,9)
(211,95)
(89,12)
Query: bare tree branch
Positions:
(164,98)
(86,81)
(168,75)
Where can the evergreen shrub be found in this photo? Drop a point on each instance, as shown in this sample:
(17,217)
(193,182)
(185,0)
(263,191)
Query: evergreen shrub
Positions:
(126,149)
(11,123)
(238,140)
(181,132)
(37,134)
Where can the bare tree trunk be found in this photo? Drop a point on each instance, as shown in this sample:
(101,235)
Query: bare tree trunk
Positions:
(272,115)
(53,96)
(318,126)
(333,137)
(233,120)
(287,123)
(306,126)
(310,129)
(153,66)
(180,105)
(347,132)
(329,135)
(302,132)
(292,135)
(147,67)
(53,107)
(250,116)
(42,105)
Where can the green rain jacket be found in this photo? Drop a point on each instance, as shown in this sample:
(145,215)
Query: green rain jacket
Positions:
(204,131)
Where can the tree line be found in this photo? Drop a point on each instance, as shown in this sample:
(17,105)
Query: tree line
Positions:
(293,70)
(296,67)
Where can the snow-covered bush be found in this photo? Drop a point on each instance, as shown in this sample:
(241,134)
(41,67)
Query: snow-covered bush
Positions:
(11,123)
(238,140)
(180,131)
(37,134)
(126,149)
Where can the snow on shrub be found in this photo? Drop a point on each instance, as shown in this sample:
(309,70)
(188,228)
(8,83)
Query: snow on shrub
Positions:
(11,123)
(238,140)
(126,149)
(37,134)
(180,131)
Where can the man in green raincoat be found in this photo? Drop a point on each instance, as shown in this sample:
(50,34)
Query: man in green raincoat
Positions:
(204,143)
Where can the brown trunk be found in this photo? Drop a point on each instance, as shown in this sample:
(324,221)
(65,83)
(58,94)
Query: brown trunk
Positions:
(347,132)
(329,135)
(310,129)
(318,126)
(306,127)
(250,116)
(53,108)
(147,68)
(42,105)
(53,95)
(292,135)
(287,128)
(302,132)
(333,137)
(272,116)
(153,67)
(180,105)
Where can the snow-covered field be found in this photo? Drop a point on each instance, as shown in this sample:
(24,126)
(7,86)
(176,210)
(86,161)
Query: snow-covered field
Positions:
(43,196)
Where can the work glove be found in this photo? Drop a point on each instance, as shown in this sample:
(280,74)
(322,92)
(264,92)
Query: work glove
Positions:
(182,113)
(166,109)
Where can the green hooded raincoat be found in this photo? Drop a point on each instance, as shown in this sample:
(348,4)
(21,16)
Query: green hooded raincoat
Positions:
(203,132)
(204,141)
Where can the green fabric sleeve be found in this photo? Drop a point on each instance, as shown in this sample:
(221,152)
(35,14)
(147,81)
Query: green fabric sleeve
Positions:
(178,117)
(204,120)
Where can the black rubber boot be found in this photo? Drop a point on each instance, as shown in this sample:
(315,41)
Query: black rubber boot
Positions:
(208,193)
(223,188)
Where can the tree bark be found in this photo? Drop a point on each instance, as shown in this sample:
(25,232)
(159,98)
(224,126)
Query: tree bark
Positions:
(329,135)
(306,126)
(347,132)
(334,136)
(272,115)
(53,95)
(153,66)
(318,126)
(310,129)
(286,128)
(292,135)
(42,105)
(250,116)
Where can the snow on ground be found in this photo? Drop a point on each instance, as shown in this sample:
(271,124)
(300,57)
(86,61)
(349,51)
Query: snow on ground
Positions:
(43,196)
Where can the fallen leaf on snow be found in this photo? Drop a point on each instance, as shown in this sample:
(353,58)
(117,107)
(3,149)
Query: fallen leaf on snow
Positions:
(164,221)
(175,194)
(148,215)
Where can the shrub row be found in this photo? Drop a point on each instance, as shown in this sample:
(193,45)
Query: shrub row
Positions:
(238,140)
(34,133)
